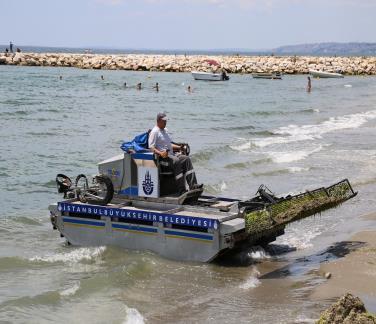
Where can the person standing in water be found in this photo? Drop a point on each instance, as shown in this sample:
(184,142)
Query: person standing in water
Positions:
(156,87)
(309,85)
(138,86)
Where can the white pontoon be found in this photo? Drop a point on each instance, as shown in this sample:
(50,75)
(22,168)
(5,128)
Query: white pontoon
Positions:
(323,74)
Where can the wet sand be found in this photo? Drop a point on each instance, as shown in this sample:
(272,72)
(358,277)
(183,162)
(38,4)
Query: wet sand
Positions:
(354,273)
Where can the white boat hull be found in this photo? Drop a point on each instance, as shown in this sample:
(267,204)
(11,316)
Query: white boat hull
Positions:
(322,74)
(207,76)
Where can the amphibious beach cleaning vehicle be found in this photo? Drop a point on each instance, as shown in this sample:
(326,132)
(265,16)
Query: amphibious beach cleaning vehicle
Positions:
(133,204)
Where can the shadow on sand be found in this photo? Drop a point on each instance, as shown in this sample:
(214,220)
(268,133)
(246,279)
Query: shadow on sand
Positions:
(302,265)
(249,256)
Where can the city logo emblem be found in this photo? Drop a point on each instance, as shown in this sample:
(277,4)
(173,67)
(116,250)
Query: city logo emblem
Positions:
(147,184)
(113,173)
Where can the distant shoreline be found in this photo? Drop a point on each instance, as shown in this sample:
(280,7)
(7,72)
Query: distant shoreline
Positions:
(186,63)
(325,49)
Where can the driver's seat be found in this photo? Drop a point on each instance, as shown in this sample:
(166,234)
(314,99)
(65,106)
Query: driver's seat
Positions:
(167,182)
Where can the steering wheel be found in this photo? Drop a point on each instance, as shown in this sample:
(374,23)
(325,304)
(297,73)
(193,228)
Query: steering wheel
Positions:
(186,149)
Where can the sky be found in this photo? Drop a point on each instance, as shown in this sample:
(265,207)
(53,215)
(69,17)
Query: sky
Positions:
(185,24)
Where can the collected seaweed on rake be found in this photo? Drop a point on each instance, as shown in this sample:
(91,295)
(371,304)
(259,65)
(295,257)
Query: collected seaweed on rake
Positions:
(267,211)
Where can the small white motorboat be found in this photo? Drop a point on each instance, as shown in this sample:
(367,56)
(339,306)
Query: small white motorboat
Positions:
(210,76)
(323,74)
(266,75)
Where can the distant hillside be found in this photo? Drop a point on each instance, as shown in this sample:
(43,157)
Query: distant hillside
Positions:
(328,49)
(319,49)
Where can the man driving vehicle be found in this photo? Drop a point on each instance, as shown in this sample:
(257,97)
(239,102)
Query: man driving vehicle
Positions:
(161,143)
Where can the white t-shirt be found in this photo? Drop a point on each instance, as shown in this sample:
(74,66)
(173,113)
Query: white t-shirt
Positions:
(160,139)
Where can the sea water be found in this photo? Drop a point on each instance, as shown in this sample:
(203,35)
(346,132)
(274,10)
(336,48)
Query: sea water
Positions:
(242,133)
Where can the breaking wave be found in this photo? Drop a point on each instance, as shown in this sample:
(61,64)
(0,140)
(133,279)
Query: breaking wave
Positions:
(244,146)
(295,133)
(281,171)
(205,155)
(239,165)
(70,291)
(77,255)
(233,128)
(292,156)
(133,316)
(216,188)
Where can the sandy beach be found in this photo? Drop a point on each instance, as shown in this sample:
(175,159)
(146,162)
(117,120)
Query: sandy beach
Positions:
(355,272)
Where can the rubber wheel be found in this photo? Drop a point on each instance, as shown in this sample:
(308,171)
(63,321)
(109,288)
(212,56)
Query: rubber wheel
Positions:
(63,183)
(107,191)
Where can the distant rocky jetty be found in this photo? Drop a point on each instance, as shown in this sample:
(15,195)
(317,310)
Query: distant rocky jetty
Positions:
(183,63)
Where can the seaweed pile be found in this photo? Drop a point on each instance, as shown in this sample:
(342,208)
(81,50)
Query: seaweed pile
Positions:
(348,309)
(266,211)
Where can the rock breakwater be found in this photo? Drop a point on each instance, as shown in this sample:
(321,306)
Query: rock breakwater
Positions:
(183,63)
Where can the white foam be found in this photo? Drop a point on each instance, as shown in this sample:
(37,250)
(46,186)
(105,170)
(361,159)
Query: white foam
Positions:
(297,169)
(294,237)
(262,142)
(133,316)
(73,256)
(258,253)
(348,86)
(70,291)
(295,133)
(333,124)
(223,186)
(301,319)
(242,147)
(292,156)
(252,281)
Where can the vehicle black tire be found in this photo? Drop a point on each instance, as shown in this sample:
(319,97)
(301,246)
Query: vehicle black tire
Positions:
(108,189)
(63,183)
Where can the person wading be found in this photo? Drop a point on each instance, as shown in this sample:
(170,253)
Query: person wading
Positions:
(309,85)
